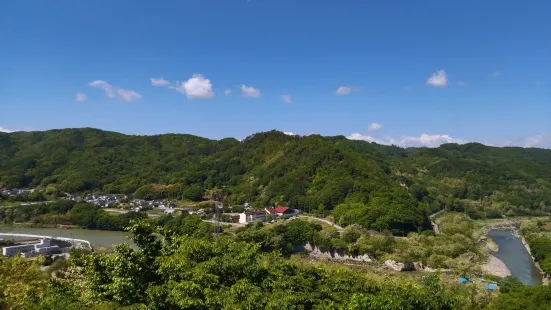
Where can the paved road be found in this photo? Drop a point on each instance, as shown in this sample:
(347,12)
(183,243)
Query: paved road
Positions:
(121,211)
(322,220)
(434,225)
(224,223)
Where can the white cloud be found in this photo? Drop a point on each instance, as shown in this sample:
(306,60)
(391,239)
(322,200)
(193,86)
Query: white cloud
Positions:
(286,98)
(374,126)
(289,133)
(496,74)
(438,79)
(409,141)
(249,91)
(115,92)
(197,87)
(343,90)
(463,84)
(227,92)
(359,136)
(159,82)
(538,141)
(5,130)
(80,97)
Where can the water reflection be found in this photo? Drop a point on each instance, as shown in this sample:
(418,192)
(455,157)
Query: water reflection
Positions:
(515,256)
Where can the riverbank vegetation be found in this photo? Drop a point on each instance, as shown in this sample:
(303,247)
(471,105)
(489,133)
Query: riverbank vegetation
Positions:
(66,213)
(455,248)
(537,233)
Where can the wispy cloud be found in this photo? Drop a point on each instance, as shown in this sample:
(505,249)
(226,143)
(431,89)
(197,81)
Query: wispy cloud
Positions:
(159,82)
(197,87)
(115,92)
(249,91)
(289,133)
(538,141)
(343,90)
(5,130)
(80,97)
(227,92)
(438,79)
(286,98)
(435,140)
(374,126)
(410,141)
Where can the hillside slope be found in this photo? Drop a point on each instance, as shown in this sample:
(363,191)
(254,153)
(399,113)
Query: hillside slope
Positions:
(309,172)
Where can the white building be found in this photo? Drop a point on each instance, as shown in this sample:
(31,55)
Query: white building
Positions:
(249,217)
(43,247)
(17,249)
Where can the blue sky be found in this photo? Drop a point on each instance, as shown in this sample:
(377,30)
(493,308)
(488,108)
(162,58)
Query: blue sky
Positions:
(403,72)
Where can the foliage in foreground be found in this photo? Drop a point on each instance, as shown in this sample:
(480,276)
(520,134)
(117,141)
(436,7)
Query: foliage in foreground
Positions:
(183,272)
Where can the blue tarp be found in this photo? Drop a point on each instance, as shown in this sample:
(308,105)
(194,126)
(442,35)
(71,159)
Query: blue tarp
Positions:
(463,280)
(491,287)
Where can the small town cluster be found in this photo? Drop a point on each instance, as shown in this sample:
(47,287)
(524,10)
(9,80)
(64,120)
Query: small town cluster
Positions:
(14,192)
(127,202)
(136,204)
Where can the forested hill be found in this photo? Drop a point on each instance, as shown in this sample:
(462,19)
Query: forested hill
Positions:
(314,172)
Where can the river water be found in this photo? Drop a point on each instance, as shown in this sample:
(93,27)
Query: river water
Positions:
(515,256)
(101,238)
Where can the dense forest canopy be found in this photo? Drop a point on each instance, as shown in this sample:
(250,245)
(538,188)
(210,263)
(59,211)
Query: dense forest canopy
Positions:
(362,181)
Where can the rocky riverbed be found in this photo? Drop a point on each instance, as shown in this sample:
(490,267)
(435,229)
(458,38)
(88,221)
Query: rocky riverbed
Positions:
(496,267)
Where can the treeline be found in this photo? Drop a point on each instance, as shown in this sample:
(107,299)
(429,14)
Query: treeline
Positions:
(67,212)
(454,248)
(191,192)
(379,187)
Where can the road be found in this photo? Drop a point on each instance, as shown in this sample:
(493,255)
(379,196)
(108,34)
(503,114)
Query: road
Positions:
(323,220)
(434,225)
(225,223)
(121,211)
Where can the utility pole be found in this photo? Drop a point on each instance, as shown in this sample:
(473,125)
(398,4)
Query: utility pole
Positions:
(217,228)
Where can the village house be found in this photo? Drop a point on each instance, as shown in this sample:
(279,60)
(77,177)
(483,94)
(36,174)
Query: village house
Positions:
(249,217)
(281,211)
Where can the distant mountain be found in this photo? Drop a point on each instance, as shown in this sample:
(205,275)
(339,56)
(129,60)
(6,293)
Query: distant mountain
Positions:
(306,172)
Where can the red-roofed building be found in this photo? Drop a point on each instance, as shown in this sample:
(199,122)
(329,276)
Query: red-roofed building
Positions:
(281,211)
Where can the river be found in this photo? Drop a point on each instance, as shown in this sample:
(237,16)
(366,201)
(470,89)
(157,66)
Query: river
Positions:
(101,238)
(515,256)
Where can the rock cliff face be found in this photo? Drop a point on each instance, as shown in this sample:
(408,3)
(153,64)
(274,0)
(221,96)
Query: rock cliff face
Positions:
(399,266)
(333,254)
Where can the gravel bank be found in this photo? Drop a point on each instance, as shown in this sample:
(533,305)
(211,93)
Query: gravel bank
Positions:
(496,267)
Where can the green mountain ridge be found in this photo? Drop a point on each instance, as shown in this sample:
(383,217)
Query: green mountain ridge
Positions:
(360,181)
